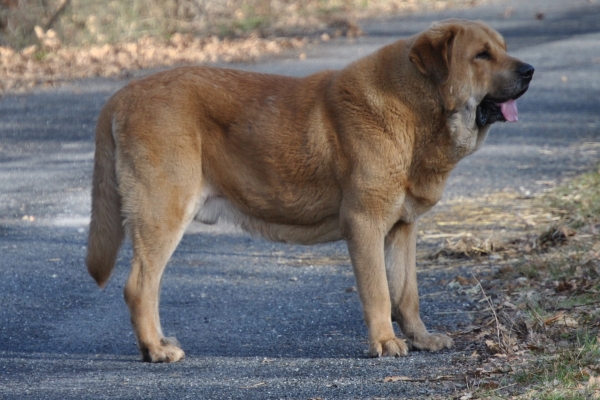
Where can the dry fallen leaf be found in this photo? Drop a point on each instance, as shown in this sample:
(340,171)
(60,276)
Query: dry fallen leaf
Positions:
(594,382)
(551,320)
(563,286)
(568,322)
(587,372)
(490,385)
(465,281)
(595,368)
(562,319)
(492,346)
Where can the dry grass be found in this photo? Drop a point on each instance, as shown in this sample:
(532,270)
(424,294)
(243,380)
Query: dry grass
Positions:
(50,41)
(536,332)
(87,22)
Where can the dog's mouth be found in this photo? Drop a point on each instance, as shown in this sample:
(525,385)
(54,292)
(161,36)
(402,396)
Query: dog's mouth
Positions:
(491,110)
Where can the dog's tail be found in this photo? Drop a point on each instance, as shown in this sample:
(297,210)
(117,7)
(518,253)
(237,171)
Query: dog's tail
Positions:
(106,225)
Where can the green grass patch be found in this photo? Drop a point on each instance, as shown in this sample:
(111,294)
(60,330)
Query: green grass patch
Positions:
(582,299)
(578,200)
(562,372)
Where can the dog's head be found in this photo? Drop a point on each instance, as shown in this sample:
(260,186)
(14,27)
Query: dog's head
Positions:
(468,61)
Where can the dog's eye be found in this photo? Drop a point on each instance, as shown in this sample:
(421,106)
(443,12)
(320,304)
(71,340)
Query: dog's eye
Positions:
(484,55)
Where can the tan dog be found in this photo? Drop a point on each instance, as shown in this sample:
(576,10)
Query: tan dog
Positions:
(357,154)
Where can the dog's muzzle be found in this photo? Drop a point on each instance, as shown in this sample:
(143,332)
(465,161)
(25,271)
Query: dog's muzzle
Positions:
(491,110)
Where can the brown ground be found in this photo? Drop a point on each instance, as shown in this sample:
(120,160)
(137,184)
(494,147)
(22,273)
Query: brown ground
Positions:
(535,277)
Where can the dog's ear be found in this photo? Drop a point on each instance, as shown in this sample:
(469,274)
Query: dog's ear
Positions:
(432,53)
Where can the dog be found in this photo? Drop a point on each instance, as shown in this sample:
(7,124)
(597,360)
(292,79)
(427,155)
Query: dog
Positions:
(357,154)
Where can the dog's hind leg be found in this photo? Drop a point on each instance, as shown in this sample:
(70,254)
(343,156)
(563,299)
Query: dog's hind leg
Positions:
(400,260)
(156,220)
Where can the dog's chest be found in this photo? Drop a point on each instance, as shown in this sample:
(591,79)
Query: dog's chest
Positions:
(421,195)
(413,207)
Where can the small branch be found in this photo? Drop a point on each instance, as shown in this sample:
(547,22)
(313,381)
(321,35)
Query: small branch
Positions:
(48,24)
(426,379)
(492,308)
(462,311)
(503,387)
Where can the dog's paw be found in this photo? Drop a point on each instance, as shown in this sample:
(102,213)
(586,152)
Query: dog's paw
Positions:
(431,342)
(167,351)
(388,348)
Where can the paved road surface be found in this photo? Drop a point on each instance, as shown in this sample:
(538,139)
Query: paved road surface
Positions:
(256,319)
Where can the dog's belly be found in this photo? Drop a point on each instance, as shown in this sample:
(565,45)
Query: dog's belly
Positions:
(213,207)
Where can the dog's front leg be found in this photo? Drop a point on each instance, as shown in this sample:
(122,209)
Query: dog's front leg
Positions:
(365,245)
(400,260)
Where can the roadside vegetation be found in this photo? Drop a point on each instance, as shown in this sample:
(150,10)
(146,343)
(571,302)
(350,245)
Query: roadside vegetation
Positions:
(534,331)
(88,22)
(44,42)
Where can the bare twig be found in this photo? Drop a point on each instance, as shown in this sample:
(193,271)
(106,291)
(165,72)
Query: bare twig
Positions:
(503,387)
(462,311)
(493,311)
(424,379)
(48,24)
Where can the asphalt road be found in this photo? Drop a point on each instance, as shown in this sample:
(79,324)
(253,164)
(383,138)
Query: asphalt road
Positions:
(257,319)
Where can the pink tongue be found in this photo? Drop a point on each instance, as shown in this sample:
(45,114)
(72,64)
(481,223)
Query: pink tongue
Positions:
(509,110)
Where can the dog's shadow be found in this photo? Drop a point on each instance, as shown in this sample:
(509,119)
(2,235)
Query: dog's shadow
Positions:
(222,296)
(232,295)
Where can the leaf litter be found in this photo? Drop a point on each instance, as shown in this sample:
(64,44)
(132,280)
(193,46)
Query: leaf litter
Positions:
(534,327)
(43,50)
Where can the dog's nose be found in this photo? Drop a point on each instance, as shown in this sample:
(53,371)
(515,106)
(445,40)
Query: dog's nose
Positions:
(526,71)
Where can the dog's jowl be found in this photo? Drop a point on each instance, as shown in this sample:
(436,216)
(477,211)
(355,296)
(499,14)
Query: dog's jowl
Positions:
(356,154)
